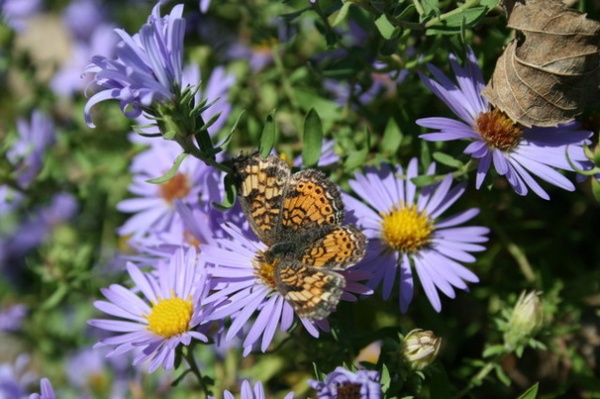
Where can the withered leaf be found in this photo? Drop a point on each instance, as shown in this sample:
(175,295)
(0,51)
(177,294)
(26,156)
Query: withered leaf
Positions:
(550,72)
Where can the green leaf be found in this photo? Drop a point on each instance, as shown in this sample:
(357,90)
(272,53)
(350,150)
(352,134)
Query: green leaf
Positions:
(268,136)
(341,14)
(356,158)
(456,23)
(171,172)
(430,7)
(230,194)
(493,350)
(447,160)
(57,297)
(313,138)
(392,137)
(488,3)
(501,375)
(425,154)
(425,180)
(385,27)
(385,378)
(531,393)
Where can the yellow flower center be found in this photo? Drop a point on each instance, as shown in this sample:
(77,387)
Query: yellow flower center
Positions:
(174,188)
(498,130)
(170,317)
(265,270)
(406,228)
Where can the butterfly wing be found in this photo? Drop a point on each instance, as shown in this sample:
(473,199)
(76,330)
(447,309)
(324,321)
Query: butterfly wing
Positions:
(311,202)
(261,184)
(313,292)
(340,248)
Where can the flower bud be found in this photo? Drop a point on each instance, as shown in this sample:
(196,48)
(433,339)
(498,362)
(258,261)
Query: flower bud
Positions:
(527,318)
(420,348)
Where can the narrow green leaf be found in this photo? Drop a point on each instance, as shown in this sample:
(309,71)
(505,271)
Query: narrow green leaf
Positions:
(268,136)
(312,138)
(230,194)
(502,375)
(424,180)
(57,296)
(493,350)
(385,27)
(356,158)
(531,393)
(456,23)
(447,160)
(341,14)
(429,7)
(392,137)
(171,172)
(385,378)
(425,154)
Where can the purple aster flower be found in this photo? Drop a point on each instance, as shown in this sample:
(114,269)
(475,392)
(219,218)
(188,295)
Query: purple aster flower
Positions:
(171,315)
(26,154)
(68,79)
(82,17)
(47,390)
(11,318)
(247,392)
(154,203)
(89,370)
(148,66)
(16,12)
(192,227)
(341,383)
(246,286)
(33,231)
(14,378)
(518,153)
(404,229)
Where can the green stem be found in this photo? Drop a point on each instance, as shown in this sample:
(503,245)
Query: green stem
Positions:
(459,10)
(287,87)
(188,146)
(478,378)
(191,361)
(518,254)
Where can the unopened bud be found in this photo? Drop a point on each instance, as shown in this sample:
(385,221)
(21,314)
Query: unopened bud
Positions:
(527,318)
(420,348)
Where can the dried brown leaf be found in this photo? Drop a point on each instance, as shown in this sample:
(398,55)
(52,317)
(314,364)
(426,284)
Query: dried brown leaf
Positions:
(551,71)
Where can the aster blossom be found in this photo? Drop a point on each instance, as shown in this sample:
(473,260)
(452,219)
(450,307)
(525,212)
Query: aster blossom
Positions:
(516,152)
(248,392)
(147,68)
(153,206)
(26,154)
(46,391)
(405,230)
(342,383)
(243,287)
(172,314)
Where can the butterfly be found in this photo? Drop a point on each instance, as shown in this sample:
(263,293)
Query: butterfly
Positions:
(299,218)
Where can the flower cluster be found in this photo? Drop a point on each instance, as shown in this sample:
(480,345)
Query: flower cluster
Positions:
(266,255)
